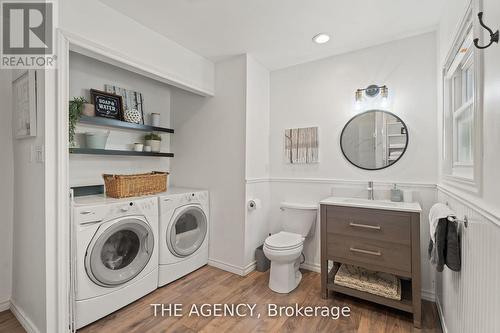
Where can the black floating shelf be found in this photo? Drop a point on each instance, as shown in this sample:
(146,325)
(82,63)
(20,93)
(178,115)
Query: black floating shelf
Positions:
(88,151)
(107,122)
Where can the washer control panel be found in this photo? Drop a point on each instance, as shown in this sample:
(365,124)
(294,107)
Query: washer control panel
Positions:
(191,196)
(95,214)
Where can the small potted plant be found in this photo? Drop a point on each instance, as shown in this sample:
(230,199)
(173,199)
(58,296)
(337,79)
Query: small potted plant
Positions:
(75,111)
(154,141)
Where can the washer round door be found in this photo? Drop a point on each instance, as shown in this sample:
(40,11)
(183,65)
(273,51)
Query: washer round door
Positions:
(187,231)
(119,252)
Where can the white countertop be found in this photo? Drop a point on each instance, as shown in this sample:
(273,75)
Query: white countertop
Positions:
(373,204)
(102,199)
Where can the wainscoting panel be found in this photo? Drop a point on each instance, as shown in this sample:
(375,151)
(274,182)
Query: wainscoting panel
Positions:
(306,190)
(469,300)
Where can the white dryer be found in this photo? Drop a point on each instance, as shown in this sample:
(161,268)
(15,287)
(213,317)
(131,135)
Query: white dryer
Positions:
(184,230)
(115,259)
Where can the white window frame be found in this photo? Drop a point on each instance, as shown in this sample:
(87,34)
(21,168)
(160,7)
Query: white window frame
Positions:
(464,175)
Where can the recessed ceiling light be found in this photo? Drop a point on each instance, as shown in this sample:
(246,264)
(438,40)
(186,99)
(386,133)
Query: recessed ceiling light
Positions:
(321,38)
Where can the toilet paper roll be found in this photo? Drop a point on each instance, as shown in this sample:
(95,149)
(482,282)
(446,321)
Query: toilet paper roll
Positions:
(253,204)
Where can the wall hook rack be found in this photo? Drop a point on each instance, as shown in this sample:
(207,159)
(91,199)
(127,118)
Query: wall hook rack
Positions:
(494,36)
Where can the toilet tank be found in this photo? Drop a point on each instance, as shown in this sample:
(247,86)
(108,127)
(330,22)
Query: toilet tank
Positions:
(298,218)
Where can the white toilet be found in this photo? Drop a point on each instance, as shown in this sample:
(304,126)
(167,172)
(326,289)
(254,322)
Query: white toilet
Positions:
(284,249)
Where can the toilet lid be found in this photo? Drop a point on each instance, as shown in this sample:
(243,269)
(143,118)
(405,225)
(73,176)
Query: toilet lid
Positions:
(284,241)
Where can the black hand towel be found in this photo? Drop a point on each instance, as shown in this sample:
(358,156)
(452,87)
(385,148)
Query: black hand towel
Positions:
(446,250)
(453,260)
(437,251)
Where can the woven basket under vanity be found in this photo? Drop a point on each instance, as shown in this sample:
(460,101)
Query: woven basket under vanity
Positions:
(124,186)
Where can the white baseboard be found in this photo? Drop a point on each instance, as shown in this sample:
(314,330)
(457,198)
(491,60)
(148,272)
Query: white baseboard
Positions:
(441,316)
(23,319)
(242,271)
(310,266)
(4,305)
(250,267)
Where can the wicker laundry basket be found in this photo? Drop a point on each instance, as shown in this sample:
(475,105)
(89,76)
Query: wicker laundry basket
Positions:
(124,186)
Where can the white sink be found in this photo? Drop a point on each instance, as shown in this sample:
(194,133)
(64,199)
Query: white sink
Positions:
(371,202)
(374,204)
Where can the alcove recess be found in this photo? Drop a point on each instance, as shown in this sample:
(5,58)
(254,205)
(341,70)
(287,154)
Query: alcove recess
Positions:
(88,70)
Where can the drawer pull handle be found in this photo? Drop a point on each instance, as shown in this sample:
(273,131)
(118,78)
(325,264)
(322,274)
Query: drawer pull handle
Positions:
(373,253)
(365,226)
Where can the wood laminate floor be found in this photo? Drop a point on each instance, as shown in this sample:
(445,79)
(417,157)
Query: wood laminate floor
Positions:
(9,323)
(211,285)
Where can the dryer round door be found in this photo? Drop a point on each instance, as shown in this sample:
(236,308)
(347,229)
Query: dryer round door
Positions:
(187,231)
(119,251)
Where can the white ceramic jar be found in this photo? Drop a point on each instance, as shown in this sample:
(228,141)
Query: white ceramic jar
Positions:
(155,119)
(138,146)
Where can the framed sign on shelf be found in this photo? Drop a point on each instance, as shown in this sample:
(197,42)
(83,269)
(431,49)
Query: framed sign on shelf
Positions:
(24,100)
(107,105)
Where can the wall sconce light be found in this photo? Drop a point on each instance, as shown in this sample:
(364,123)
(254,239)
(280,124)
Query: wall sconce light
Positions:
(359,95)
(384,91)
(372,91)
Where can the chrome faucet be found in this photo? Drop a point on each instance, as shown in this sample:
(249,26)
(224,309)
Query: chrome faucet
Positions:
(370,190)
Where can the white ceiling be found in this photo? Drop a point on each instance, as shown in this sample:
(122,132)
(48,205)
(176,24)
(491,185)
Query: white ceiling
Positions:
(278,32)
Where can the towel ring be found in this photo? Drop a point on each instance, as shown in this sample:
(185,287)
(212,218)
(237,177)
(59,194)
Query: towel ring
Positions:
(465,220)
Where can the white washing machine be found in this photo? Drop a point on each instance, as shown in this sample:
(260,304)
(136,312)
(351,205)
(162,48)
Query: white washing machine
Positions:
(115,259)
(184,230)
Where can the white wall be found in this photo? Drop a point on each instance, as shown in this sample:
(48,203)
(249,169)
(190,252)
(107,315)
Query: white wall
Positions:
(321,93)
(465,298)
(209,147)
(488,199)
(220,142)
(28,269)
(257,156)
(86,73)
(104,26)
(491,113)
(257,119)
(7,187)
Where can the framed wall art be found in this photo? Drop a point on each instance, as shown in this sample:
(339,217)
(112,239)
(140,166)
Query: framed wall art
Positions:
(107,105)
(301,145)
(133,103)
(24,105)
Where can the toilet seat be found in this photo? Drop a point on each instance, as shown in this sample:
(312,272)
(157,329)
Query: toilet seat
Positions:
(283,241)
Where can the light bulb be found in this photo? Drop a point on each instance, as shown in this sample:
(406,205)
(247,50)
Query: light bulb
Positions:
(321,38)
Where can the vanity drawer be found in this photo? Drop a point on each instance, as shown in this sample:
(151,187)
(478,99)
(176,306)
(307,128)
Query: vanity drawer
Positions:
(383,225)
(368,251)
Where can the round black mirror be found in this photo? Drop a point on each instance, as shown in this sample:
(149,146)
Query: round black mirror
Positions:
(374,139)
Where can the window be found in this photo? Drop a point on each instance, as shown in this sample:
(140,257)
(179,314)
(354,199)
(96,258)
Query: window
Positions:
(462,112)
(463,105)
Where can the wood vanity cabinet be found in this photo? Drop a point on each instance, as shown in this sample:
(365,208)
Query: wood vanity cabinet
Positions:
(378,240)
